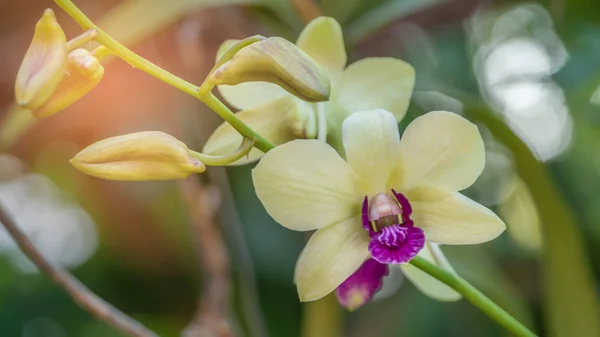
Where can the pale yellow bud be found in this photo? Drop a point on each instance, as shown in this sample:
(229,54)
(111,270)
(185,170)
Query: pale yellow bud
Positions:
(83,73)
(147,155)
(277,61)
(43,65)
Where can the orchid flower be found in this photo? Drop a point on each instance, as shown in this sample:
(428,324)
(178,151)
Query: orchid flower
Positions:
(277,115)
(387,202)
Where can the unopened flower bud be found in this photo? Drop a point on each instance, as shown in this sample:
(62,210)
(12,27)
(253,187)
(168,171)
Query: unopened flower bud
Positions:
(83,73)
(43,65)
(147,155)
(278,61)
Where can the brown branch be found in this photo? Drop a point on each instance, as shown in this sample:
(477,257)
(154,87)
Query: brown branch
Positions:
(307,9)
(210,318)
(84,297)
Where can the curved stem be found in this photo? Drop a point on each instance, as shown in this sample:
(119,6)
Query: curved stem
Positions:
(87,36)
(228,158)
(217,106)
(101,52)
(152,69)
(474,296)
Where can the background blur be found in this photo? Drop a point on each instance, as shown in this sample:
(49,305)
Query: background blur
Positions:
(520,68)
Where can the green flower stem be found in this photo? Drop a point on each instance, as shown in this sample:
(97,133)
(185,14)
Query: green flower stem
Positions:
(101,52)
(87,36)
(217,106)
(139,62)
(572,307)
(474,296)
(225,159)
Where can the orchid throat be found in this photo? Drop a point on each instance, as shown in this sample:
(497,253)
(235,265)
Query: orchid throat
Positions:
(394,238)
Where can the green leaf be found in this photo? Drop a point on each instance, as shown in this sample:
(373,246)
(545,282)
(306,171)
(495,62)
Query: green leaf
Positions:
(132,21)
(570,298)
(382,15)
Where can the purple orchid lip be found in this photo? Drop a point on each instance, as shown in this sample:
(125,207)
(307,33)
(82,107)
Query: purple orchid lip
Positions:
(395,243)
(360,287)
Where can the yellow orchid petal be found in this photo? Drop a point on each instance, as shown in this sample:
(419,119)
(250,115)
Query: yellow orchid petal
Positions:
(84,72)
(306,185)
(250,95)
(377,83)
(451,218)
(521,215)
(372,143)
(323,40)
(440,149)
(247,95)
(331,255)
(279,121)
(429,285)
(43,65)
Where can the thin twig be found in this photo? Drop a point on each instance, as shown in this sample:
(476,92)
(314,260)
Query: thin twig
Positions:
(84,297)
(307,9)
(211,316)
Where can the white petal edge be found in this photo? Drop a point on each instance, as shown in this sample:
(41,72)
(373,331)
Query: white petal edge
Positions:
(453,219)
(377,83)
(426,283)
(306,185)
(331,255)
(323,40)
(372,145)
(441,149)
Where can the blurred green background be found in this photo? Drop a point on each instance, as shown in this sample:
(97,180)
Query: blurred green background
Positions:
(527,72)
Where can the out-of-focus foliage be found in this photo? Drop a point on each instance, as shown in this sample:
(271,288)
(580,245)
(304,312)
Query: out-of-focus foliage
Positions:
(535,65)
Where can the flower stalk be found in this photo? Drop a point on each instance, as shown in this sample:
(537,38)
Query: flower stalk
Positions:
(152,69)
(88,36)
(474,296)
(225,159)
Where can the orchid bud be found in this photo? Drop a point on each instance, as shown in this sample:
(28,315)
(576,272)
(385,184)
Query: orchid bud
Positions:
(147,155)
(83,73)
(277,61)
(43,65)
